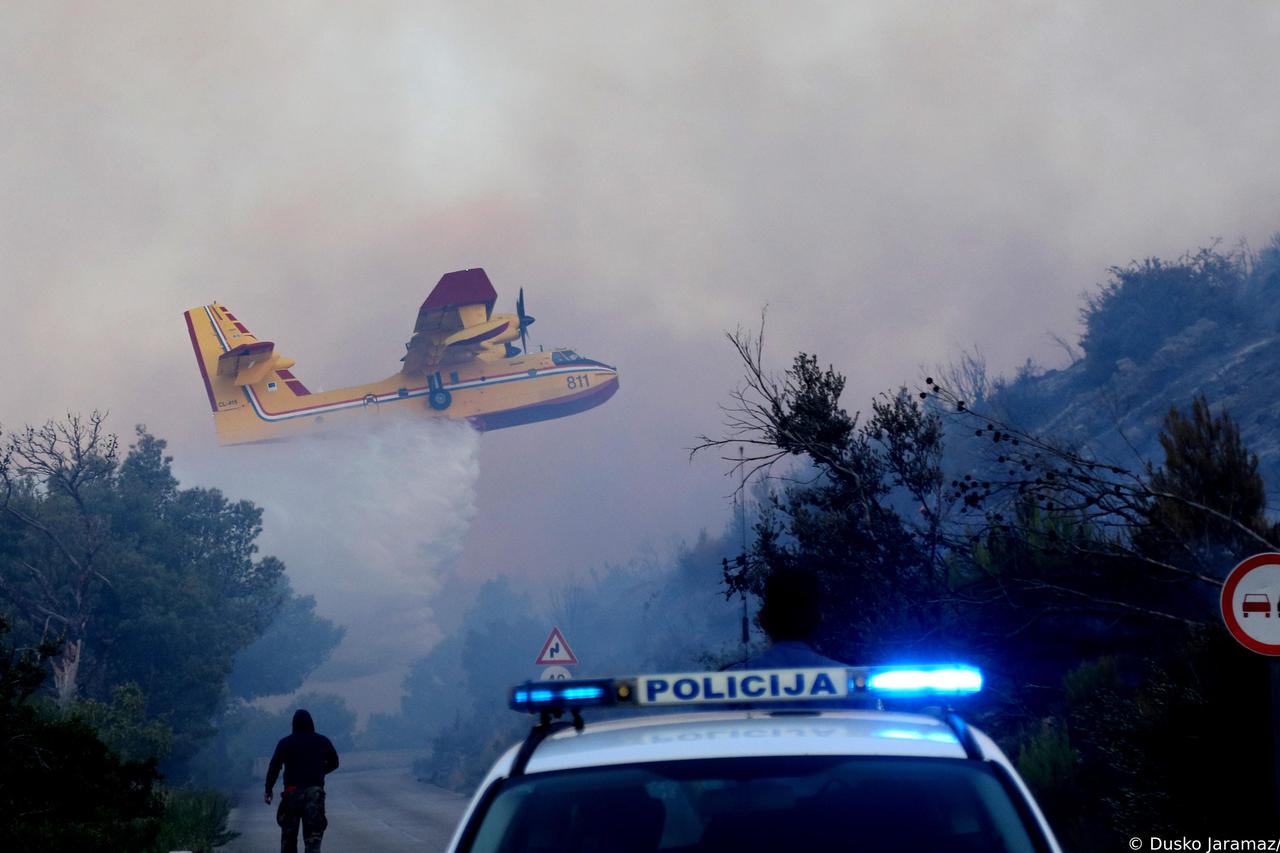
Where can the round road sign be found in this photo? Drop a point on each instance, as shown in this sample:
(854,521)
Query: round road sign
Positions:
(1251,603)
(555,673)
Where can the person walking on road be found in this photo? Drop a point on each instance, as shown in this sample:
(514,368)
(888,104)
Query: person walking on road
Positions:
(306,757)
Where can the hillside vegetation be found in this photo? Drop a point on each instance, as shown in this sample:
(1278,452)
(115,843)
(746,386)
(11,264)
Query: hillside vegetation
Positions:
(1156,334)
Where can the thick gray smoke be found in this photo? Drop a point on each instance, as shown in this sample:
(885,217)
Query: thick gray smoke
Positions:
(368,522)
(896,180)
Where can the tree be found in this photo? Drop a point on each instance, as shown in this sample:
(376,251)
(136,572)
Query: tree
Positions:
(147,583)
(123,726)
(60,787)
(843,518)
(1207,498)
(1160,539)
(50,477)
(1146,302)
(189,592)
(1037,525)
(295,643)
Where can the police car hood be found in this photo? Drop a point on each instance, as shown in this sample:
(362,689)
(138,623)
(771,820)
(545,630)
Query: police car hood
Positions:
(675,737)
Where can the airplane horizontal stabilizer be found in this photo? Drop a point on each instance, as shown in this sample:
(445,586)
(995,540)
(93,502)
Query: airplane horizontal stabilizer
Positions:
(250,363)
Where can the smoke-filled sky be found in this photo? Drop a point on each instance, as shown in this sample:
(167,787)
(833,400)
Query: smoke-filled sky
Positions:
(895,180)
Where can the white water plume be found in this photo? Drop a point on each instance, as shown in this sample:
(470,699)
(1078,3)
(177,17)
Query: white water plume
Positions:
(367,522)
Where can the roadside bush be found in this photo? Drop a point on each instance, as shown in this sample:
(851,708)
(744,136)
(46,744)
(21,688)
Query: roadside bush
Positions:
(194,819)
(60,787)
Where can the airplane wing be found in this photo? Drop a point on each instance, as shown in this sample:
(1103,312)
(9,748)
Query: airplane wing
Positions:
(454,322)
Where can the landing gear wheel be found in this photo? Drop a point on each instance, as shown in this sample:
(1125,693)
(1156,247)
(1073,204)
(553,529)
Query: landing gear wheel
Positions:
(439,399)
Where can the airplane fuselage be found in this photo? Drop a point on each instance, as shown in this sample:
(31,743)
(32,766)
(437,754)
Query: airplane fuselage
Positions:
(490,393)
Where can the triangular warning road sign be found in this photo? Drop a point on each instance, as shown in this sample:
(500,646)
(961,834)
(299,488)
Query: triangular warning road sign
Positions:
(556,651)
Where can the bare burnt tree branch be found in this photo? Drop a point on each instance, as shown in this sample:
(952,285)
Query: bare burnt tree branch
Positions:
(968,377)
(65,455)
(1113,549)
(751,417)
(1063,480)
(761,415)
(60,459)
(1111,602)
(1072,351)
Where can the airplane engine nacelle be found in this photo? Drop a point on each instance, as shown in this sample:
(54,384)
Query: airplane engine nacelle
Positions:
(499,329)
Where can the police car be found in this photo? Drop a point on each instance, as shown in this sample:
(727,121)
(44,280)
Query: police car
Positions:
(768,760)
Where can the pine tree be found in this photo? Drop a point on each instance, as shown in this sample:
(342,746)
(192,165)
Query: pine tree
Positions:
(1207,499)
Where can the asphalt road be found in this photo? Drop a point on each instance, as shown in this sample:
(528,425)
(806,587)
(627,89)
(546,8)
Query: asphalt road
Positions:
(369,810)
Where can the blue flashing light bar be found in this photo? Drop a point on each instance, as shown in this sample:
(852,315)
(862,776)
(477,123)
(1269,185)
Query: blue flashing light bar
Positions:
(535,696)
(941,680)
(743,688)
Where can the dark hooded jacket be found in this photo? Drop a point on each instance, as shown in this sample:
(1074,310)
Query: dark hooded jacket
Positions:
(306,756)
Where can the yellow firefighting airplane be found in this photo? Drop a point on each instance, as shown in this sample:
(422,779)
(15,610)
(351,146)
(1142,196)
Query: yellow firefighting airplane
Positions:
(460,363)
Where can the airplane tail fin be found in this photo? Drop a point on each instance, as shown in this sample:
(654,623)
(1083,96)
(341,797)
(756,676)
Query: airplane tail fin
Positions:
(237,368)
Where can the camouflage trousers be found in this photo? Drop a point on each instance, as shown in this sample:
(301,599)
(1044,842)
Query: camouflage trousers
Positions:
(305,806)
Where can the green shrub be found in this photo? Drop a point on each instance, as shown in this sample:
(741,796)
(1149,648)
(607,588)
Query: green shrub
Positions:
(1148,301)
(194,819)
(1047,762)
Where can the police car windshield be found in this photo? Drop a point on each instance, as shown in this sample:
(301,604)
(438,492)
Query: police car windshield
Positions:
(867,803)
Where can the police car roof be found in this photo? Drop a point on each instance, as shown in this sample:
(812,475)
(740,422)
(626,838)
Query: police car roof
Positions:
(737,734)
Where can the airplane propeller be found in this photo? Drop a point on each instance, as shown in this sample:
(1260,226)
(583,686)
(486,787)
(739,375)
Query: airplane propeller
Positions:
(525,321)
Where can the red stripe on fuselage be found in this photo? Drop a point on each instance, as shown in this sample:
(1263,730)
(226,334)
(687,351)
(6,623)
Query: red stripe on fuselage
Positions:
(288,411)
(204,374)
(297,388)
(304,392)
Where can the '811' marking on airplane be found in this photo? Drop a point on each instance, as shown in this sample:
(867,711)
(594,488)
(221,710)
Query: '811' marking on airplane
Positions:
(461,363)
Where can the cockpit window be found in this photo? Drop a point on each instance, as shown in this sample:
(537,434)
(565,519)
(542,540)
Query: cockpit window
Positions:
(565,356)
